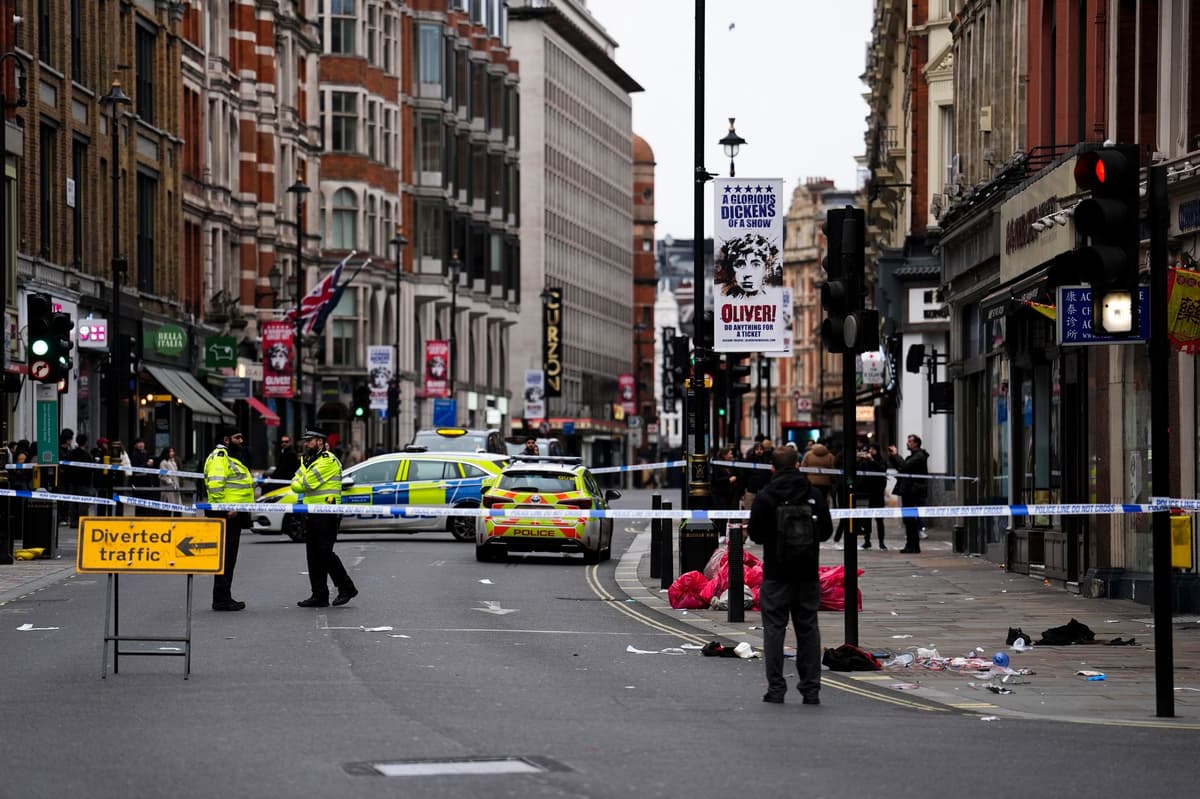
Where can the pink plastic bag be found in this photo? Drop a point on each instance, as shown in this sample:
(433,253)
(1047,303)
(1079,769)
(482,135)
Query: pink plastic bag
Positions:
(685,592)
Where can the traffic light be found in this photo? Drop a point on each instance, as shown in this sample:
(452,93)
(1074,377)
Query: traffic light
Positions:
(61,345)
(681,362)
(362,401)
(739,371)
(837,290)
(39,341)
(393,396)
(1109,218)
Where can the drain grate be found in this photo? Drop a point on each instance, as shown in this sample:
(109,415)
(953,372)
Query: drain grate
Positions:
(454,766)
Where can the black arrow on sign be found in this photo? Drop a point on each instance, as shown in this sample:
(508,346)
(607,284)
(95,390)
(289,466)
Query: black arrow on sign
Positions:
(186,546)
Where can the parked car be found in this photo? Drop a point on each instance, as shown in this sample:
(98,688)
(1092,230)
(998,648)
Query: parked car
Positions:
(458,439)
(446,479)
(515,445)
(542,483)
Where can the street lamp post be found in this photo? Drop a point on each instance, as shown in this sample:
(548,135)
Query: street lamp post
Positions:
(398,241)
(455,271)
(115,98)
(731,142)
(5,105)
(299,190)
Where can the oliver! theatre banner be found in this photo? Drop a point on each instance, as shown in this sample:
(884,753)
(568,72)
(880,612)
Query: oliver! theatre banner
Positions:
(278,357)
(748,303)
(437,368)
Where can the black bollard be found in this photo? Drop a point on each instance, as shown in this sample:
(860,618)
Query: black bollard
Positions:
(737,610)
(656,536)
(665,551)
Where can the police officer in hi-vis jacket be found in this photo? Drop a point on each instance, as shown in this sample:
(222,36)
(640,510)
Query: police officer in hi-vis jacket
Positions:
(318,481)
(227,479)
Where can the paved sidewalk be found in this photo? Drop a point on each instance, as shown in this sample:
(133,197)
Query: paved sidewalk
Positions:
(954,603)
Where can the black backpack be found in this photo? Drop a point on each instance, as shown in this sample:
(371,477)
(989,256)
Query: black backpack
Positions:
(795,532)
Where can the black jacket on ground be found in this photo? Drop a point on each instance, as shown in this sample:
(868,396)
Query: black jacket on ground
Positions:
(790,485)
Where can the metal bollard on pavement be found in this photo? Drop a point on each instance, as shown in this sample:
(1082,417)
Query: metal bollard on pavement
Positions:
(665,550)
(656,536)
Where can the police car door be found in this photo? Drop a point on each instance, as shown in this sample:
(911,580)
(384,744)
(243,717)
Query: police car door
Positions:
(374,484)
(426,484)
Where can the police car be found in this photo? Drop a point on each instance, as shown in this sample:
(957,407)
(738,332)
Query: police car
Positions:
(444,479)
(541,483)
(459,439)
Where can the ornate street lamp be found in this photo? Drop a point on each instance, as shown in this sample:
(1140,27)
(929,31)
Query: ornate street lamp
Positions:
(731,142)
(398,241)
(115,98)
(455,270)
(299,190)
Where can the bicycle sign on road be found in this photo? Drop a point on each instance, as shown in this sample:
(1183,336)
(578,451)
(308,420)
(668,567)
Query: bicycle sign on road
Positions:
(150,545)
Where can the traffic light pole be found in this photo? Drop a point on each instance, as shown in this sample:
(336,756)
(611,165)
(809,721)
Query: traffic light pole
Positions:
(699,486)
(1160,442)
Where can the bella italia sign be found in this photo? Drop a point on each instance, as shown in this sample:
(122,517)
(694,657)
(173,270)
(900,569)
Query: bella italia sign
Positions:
(170,340)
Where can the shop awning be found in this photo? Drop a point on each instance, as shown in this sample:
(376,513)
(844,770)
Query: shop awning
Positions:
(205,408)
(270,418)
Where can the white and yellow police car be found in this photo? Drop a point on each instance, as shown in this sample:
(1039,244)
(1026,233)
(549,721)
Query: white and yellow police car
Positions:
(443,479)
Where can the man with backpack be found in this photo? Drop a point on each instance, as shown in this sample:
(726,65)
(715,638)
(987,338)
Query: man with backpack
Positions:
(790,518)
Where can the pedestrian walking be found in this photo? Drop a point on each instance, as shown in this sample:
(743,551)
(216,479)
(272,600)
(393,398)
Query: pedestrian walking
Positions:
(913,490)
(791,588)
(227,479)
(169,461)
(318,481)
(873,482)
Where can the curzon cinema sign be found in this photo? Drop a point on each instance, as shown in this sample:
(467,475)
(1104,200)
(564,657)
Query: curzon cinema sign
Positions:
(552,340)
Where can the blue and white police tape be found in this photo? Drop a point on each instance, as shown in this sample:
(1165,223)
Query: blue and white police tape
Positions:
(924,512)
(48,496)
(1192,505)
(154,504)
(640,467)
(840,472)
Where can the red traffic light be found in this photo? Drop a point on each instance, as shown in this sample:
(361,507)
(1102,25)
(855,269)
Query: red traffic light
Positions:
(1100,169)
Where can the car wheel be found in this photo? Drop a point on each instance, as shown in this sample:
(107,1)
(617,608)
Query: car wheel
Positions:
(462,527)
(591,555)
(295,528)
(606,553)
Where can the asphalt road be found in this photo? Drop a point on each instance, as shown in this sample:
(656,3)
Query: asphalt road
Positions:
(443,658)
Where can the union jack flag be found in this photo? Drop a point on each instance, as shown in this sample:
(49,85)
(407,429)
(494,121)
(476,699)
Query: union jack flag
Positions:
(319,302)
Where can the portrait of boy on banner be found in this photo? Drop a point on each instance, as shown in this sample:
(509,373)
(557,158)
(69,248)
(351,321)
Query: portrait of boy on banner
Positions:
(748,277)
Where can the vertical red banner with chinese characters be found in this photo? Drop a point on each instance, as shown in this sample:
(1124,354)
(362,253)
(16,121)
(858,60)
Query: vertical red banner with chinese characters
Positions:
(278,359)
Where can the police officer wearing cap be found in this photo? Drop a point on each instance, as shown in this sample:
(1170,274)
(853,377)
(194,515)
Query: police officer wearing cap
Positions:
(318,481)
(227,479)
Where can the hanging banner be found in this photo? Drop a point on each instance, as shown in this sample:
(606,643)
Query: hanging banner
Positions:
(627,391)
(437,368)
(278,357)
(380,368)
(552,341)
(748,282)
(535,394)
(788,337)
(1183,309)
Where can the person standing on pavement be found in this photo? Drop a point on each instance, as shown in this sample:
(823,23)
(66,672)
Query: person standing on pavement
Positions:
(913,491)
(286,460)
(82,481)
(102,480)
(227,479)
(168,460)
(318,481)
(873,482)
(790,591)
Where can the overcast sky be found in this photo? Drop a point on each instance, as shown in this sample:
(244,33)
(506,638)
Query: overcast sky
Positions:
(788,70)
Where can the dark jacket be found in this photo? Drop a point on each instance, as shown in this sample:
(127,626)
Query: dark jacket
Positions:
(790,485)
(286,464)
(76,477)
(819,457)
(911,490)
(871,485)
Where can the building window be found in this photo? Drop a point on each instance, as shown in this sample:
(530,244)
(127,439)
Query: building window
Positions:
(78,173)
(345,220)
(47,142)
(429,231)
(429,59)
(372,224)
(45,25)
(345,326)
(479,173)
(372,35)
(345,122)
(76,42)
(342,20)
(144,88)
(372,128)
(147,205)
(389,42)
(429,150)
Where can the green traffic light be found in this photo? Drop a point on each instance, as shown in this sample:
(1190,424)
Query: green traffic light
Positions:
(40,347)
(358,411)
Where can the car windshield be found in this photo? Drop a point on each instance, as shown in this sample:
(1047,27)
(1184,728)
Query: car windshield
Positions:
(438,443)
(541,482)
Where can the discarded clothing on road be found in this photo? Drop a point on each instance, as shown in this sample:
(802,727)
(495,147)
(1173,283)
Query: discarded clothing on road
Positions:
(848,657)
(1073,632)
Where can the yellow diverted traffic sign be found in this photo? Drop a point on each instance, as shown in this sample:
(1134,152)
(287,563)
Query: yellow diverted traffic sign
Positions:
(150,545)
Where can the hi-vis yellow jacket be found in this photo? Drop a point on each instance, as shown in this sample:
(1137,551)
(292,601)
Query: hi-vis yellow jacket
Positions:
(226,478)
(318,481)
